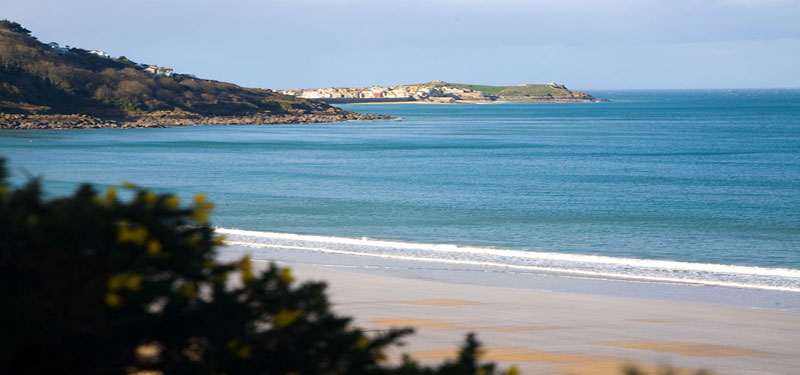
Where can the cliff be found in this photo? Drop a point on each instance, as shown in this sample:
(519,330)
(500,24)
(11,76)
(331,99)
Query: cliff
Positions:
(43,86)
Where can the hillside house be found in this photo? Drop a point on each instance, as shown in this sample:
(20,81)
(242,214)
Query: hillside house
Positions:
(100,53)
(58,49)
(159,70)
(315,94)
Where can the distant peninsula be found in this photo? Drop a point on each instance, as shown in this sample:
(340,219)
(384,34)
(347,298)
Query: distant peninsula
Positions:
(45,86)
(444,92)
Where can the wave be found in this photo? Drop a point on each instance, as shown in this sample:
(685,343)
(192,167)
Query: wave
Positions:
(601,267)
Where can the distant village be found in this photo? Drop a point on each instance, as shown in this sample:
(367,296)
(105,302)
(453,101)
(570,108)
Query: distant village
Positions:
(435,91)
(152,69)
(408,92)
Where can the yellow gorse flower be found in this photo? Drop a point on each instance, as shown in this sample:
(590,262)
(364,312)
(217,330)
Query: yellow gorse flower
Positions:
(125,280)
(111,194)
(189,291)
(247,270)
(199,198)
(286,317)
(117,281)
(513,370)
(201,208)
(153,247)
(362,343)
(150,198)
(200,216)
(134,282)
(131,233)
(113,300)
(240,349)
(109,197)
(172,202)
(245,352)
(219,240)
(286,276)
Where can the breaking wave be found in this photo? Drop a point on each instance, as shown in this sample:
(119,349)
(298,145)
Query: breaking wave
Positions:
(602,267)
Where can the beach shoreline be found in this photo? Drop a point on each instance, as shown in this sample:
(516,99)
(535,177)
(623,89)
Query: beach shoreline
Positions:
(545,323)
(559,332)
(744,286)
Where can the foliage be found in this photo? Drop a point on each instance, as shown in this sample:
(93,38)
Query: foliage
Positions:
(33,75)
(94,284)
(13,26)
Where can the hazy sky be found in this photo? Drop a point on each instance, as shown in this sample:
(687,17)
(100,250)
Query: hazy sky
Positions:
(585,44)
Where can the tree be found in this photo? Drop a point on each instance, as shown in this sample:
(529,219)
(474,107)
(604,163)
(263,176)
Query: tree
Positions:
(95,284)
(13,26)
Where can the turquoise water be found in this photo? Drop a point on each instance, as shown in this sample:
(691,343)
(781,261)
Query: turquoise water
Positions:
(691,176)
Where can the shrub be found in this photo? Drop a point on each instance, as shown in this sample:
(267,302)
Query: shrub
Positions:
(95,284)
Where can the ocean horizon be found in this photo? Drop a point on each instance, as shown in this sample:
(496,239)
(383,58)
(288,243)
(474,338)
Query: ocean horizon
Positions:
(663,185)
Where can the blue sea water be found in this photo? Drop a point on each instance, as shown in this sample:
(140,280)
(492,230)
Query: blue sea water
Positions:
(691,176)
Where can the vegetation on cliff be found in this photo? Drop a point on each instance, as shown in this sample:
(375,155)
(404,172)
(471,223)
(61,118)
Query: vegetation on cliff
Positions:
(38,79)
(535,91)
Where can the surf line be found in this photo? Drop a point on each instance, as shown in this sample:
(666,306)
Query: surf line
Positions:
(607,275)
(536,255)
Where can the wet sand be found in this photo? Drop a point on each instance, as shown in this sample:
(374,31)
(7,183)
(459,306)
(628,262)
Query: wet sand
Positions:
(565,333)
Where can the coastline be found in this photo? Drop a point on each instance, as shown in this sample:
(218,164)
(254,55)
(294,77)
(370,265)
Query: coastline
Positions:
(748,286)
(559,332)
(170,119)
(542,322)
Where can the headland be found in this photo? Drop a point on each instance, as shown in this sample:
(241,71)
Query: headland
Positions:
(445,93)
(46,86)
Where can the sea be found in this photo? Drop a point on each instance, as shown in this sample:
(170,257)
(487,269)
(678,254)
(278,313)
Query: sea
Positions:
(670,186)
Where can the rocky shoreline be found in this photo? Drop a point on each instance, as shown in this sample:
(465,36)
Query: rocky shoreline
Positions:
(169,119)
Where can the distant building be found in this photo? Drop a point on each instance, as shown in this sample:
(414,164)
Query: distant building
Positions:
(100,53)
(159,70)
(314,94)
(58,49)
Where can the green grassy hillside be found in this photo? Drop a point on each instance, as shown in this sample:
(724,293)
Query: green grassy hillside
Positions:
(532,90)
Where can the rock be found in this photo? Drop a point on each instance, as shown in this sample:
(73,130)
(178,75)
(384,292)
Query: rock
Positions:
(165,119)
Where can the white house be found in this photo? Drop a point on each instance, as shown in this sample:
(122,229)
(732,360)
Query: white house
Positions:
(58,49)
(100,53)
(159,70)
(314,94)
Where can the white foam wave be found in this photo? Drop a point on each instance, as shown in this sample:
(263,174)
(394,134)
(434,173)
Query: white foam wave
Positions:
(779,279)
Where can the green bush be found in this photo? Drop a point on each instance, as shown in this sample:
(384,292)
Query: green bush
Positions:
(95,284)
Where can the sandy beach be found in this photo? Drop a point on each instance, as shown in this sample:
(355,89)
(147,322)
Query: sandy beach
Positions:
(565,333)
(547,330)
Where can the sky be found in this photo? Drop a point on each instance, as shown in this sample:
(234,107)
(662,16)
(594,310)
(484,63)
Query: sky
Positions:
(585,44)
